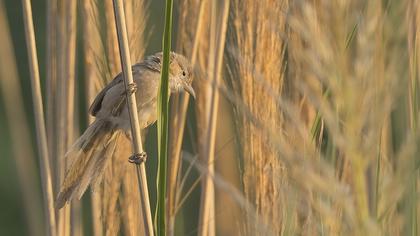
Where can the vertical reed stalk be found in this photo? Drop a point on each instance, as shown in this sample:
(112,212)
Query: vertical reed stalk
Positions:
(24,158)
(70,77)
(51,78)
(162,123)
(205,221)
(131,101)
(39,119)
(63,217)
(66,100)
(91,47)
(114,62)
(178,124)
(413,101)
(207,211)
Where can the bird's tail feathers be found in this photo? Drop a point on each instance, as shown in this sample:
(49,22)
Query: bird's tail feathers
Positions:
(87,159)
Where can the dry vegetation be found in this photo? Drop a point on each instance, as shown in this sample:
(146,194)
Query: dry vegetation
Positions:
(306,120)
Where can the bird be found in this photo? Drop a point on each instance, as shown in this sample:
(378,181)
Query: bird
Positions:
(90,153)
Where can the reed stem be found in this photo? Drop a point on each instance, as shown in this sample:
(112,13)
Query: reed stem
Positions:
(17,120)
(179,125)
(39,119)
(207,211)
(132,106)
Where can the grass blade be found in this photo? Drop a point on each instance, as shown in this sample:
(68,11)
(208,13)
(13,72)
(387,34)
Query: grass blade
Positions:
(163,113)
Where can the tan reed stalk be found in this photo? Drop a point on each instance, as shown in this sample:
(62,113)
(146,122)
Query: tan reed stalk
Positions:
(178,123)
(63,216)
(111,42)
(70,69)
(60,87)
(414,47)
(131,101)
(60,27)
(51,78)
(110,188)
(227,163)
(413,14)
(92,74)
(17,121)
(136,17)
(67,88)
(205,227)
(39,119)
(130,200)
(109,194)
(207,211)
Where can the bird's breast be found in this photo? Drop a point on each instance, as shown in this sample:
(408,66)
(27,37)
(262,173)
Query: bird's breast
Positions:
(147,113)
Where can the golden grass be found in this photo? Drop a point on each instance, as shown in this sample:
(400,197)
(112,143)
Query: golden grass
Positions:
(361,77)
(253,35)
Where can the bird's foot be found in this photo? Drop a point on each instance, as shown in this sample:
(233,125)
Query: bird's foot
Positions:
(138,158)
(131,88)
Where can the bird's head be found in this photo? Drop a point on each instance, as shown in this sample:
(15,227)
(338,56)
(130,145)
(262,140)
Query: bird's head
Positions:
(180,72)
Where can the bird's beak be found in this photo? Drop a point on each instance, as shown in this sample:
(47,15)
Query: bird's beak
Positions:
(190,90)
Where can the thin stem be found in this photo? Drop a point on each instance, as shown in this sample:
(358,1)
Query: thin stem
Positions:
(17,120)
(207,227)
(179,125)
(39,119)
(51,76)
(132,106)
(91,38)
(163,114)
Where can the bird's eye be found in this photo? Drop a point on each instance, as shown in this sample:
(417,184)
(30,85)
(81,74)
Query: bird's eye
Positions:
(183,73)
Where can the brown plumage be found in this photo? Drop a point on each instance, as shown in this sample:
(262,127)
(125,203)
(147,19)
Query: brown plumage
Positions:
(89,154)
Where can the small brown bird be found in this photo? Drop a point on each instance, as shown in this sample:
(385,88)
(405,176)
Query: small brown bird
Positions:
(89,154)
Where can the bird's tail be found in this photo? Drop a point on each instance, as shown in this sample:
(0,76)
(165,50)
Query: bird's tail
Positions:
(88,157)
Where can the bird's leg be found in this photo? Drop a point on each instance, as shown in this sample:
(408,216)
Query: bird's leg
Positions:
(138,158)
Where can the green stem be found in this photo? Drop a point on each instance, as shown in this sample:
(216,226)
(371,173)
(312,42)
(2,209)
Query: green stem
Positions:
(163,110)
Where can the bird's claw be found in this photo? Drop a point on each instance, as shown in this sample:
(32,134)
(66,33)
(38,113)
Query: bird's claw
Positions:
(138,158)
(131,88)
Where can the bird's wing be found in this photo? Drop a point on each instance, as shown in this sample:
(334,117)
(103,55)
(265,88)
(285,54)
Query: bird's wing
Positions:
(151,66)
(97,103)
